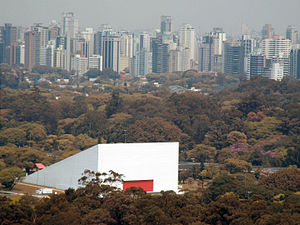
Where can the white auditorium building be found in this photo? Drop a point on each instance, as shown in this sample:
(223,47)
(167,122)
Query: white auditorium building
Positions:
(152,166)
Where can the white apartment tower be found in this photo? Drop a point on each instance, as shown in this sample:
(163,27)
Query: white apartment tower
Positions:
(276,71)
(187,40)
(88,36)
(80,65)
(95,62)
(278,50)
(69,25)
(276,47)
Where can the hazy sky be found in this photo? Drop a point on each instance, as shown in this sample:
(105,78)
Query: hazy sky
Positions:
(138,14)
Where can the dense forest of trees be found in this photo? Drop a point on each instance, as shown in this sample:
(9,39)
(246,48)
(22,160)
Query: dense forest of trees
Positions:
(225,201)
(256,123)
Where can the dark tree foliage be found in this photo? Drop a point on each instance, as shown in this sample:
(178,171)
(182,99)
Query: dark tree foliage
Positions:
(286,180)
(97,203)
(114,104)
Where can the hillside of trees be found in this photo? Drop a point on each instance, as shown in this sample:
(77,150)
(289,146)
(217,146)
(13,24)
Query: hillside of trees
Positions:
(253,123)
(226,201)
(257,122)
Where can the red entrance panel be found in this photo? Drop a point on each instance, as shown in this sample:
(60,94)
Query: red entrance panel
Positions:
(147,185)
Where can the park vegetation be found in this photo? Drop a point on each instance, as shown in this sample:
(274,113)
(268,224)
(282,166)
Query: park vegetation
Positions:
(254,123)
(226,201)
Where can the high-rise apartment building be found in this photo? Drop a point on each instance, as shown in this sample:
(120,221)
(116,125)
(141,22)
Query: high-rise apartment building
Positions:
(175,60)
(247,47)
(12,53)
(219,37)
(98,43)
(257,65)
(276,71)
(88,36)
(187,40)
(95,62)
(111,52)
(232,57)
(43,33)
(292,34)
(267,31)
(104,29)
(166,25)
(69,25)
(53,32)
(295,62)
(160,56)
(9,34)
(79,65)
(32,49)
(206,54)
(8,37)
(141,62)
(144,41)
(278,50)
(276,47)
(210,51)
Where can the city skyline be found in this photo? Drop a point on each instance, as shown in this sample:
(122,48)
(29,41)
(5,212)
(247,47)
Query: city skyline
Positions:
(66,46)
(134,15)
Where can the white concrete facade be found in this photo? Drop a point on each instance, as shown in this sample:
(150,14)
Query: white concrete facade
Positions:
(136,161)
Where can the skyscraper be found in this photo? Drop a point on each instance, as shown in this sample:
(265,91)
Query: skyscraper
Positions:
(295,63)
(160,56)
(278,51)
(144,41)
(69,25)
(54,32)
(12,53)
(88,36)
(292,34)
(80,65)
(276,47)
(187,40)
(232,57)
(95,62)
(111,52)
(8,37)
(98,43)
(257,65)
(70,31)
(32,44)
(219,37)
(267,31)
(206,54)
(276,71)
(104,29)
(247,47)
(210,55)
(166,25)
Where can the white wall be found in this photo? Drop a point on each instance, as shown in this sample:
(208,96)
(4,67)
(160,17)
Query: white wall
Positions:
(143,161)
(137,161)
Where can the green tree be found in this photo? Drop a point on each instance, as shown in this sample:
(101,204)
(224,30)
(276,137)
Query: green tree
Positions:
(83,141)
(9,176)
(235,137)
(286,179)
(114,104)
(156,129)
(14,136)
(237,165)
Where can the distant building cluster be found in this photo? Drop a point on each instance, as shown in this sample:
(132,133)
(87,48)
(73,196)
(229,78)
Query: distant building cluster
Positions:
(63,45)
